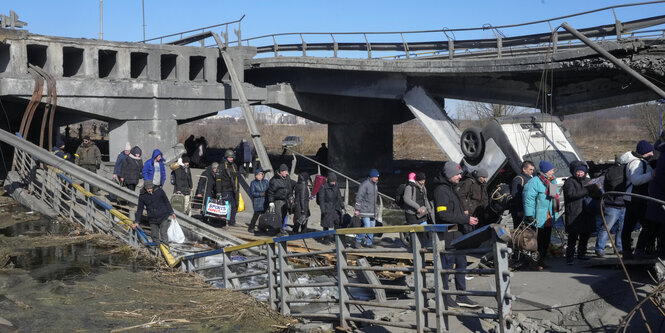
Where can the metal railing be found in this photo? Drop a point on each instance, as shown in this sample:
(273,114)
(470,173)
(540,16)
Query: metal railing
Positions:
(280,282)
(184,40)
(499,46)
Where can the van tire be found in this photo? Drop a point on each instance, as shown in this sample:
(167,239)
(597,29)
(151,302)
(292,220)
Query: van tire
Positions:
(472,143)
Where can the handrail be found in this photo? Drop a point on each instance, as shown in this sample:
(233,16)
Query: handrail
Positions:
(193,30)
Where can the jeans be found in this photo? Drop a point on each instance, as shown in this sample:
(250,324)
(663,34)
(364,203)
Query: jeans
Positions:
(368,222)
(613,216)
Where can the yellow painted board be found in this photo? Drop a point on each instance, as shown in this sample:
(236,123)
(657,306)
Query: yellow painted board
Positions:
(248,245)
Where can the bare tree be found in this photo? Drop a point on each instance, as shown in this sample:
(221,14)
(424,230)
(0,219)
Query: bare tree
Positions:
(483,112)
(649,118)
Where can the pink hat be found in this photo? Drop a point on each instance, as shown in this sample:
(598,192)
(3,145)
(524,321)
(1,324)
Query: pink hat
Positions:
(412,176)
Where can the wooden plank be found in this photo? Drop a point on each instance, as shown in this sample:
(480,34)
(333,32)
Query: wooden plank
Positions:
(371,278)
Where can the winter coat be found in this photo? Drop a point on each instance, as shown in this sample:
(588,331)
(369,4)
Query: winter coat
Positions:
(280,188)
(638,174)
(329,199)
(366,199)
(536,202)
(131,170)
(118,162)
(156,204)
(474,197)
(61,153)
(415,197)
(182,178)
(88,155)
(655,211)
(206,185)
(516,188)
(228,175)
(149,168)
(256,188)
(576,217)
(301,207)
(449,210)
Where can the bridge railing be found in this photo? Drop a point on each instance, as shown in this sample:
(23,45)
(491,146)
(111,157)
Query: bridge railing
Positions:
(444,42)
(278,270)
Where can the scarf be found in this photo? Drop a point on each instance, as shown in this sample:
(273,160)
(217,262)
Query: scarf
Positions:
(134,157)
(551,191)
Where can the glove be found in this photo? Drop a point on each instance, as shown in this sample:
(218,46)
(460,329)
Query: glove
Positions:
(271,205)
(529,220)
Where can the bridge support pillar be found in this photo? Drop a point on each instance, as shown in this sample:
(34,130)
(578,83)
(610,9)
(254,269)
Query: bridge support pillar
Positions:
(356,148)
(152,134)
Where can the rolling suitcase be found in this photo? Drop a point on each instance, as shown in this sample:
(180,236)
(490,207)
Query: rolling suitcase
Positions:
(270,222)
(178,202)
(216,210)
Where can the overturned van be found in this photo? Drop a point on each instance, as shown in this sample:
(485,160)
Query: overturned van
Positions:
(504,143)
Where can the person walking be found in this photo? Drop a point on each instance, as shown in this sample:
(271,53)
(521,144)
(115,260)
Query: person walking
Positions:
(301,208)
(182,179)
(130,172)
(656,211)
(257,189)
(541,206)
(280,192)
(365,207)
(153,169)
(158,208)
(329,199)
(614,208)
(228,184)
(473,192)
(579,221)
(638,176)
(449,210)
(59,149)
(205,189)
(416,204)
(322,154)
(120,160)
(88,157)
(516,188)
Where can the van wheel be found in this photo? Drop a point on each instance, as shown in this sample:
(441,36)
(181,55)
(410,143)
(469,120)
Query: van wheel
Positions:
(472,143)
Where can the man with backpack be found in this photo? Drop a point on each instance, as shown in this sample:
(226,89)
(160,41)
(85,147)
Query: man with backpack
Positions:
(614,207)
(516,188)
(638,176)
(365,207)
(416,204)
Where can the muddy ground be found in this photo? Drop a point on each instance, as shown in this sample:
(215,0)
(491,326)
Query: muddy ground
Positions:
(56,277)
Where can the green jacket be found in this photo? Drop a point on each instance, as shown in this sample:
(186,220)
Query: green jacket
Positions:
(88,154)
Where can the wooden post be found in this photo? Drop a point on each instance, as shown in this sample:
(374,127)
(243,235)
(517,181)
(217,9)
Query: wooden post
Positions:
(370,277)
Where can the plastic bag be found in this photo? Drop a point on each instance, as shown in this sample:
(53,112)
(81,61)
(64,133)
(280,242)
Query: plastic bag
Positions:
(241,203)
(175,233)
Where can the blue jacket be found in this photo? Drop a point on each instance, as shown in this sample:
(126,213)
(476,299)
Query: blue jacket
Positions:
(255,189)
(536,202)
(149,169)
(118,163)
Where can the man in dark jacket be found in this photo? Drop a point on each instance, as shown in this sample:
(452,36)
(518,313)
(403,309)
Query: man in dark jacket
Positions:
(473,192)
(228,184)
(656,211)
(330,201)
(280,192)
(89,157)
(257,189)
(448,207)
(516,188)
(130,172)
(158,209)
(579,222)
(182,179)
(206,186)
(119,160)
(154,170)
(366,207)
(301,208)
(59,149)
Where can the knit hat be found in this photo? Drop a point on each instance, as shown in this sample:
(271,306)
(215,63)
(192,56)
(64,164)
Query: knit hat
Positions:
(259,170)
(582,167)
(185,159)
(283,167)
(545,166)
(136,151)
(644,147)
(373,173)
(128,146)
(148,184)
(332,177)
(412,176)
(87,137)
(420,176)
(451,169)
(482,173)
(214,165)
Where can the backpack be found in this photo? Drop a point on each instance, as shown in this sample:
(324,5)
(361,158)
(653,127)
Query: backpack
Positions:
(615,178)
(399,194)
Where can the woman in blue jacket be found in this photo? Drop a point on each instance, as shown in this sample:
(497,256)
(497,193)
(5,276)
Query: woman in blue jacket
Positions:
(541,206)
(257,190)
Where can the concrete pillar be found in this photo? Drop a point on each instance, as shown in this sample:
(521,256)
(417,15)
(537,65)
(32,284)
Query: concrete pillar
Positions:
(147,134)
(356,148)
